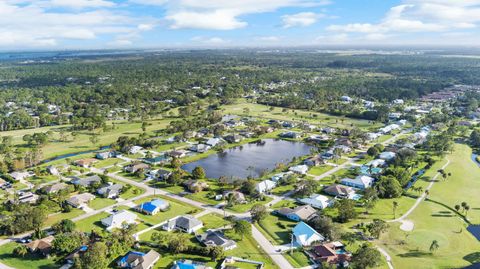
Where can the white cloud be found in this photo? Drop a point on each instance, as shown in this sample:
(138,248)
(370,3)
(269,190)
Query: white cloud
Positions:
(220,14)
(300,19)
(214,41)
(422,16)
(38,24)
(269,38)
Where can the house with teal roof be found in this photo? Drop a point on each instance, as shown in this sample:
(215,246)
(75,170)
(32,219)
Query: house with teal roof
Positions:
(305,235)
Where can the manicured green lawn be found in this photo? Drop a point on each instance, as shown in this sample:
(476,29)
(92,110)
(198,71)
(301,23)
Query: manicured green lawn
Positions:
(277,229)
(242,208)
(297,258)
(107,162)
(318,170)
(99,203)
(58,217)
(28,262)
(92,222)
(213,221)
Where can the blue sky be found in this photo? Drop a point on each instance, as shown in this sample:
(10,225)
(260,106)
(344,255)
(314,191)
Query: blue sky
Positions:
(104,24)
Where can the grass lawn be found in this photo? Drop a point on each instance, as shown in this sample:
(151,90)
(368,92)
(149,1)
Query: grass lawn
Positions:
(99,203)
(320,119)
(213,221)
(319,170)
(52,219)
(92,222)
(107,162)
(27,262)
(276,229)
(297,258)
(435,220)
(242,208)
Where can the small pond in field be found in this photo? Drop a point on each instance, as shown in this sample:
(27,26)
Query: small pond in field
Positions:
(250,159)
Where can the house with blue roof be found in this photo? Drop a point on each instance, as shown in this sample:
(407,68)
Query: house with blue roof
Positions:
(305,235)
(153,207)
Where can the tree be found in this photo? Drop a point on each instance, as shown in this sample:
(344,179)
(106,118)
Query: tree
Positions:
(373,151)
(377,227)
(434,246)
(64,226)
(346,210)
(389,187)
(175,178)
(68,242)
(242,228)
(258,212)
(95,257)
(216,253)
(394,208)
(329,229)
(475,138)
(177,243)
(198,173)
(176,163)
(366,257)
(457,208)
(20,251)
(94,138)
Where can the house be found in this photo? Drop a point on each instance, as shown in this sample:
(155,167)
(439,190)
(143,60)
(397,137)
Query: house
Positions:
(305,235)
(291,135)
(52,170)
(360,182)
(163,174)
(394,115)
(153,207)
(346,99)
(265,186)
(280,176)
(332,253)
(299,169)
(87,181)
(216,239)
(195,185)
(26,198)
(157,160)
(233,138)
(189,264)
(43,246)
(387,155)
(86,163)
(79,200)
(299,213)
(317,201)
(314,161)
(134,167)
(21,175)
(117,220)
(212,142)
(328,130)
(105,155)
(200,148)
(340,191)
(2,183)
(318,138)
(54,188)
(344,142)
(376,163)
(135,149)
(343,148)
(398,102)
(177,153)
(139,260)
(327,155)
(185,223)
(110,191)
(373,136)
(236,196)
(288,124)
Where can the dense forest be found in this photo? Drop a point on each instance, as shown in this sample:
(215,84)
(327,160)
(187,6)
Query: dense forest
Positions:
(85,90)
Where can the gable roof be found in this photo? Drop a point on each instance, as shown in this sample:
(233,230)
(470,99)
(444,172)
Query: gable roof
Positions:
(339,190)
(305,232)
(116,220)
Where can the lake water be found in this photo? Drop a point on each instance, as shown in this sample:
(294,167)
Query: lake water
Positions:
(250,159)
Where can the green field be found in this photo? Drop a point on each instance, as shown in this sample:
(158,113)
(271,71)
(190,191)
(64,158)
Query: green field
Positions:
(435,220)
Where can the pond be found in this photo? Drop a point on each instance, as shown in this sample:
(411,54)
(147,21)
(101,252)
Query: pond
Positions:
(250,159)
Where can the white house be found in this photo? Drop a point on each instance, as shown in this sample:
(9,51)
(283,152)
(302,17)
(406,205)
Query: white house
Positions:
(360,182)
(118,219)
(376,163)
(387,155)
(299,169)
(398,102)
(265,186)
(346,99)
(212,142)
(317,201)
(135,149)
(21,175)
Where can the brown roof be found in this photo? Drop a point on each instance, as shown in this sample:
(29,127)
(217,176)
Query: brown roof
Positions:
(87,161)
(148,260)
(338,190)
(43,245)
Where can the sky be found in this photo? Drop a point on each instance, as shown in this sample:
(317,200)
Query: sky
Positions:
(129,24)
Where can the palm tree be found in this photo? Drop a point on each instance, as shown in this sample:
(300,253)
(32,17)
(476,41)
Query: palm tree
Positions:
(434,246)
(395,205)
(20,251)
